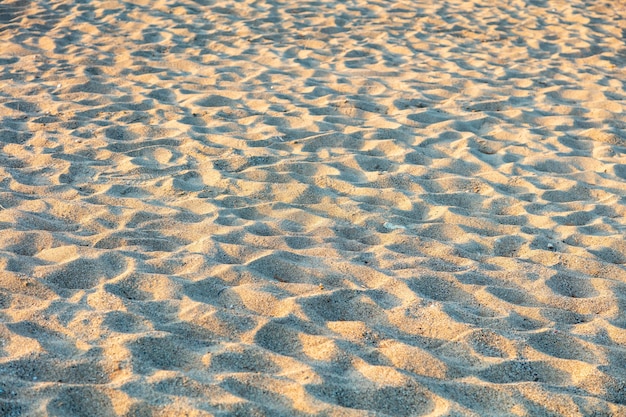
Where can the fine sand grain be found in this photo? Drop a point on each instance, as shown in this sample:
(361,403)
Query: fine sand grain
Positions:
(312,208)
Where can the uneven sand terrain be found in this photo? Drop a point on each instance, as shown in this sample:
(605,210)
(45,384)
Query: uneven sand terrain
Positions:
(312,208)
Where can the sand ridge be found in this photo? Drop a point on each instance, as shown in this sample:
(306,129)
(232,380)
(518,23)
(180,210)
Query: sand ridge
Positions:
(270,208)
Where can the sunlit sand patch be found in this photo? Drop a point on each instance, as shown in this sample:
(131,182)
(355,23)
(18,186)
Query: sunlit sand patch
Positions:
(253,208)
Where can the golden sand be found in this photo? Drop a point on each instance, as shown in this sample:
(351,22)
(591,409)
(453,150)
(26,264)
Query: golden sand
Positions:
(309,208)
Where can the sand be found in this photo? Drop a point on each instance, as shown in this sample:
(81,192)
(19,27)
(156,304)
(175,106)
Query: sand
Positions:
(342,208)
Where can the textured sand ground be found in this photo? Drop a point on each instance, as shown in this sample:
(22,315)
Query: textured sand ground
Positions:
(295,208)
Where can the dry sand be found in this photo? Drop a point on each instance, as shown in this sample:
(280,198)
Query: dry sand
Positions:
(298,208)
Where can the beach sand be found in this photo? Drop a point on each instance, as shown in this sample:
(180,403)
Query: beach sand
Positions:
(342,208)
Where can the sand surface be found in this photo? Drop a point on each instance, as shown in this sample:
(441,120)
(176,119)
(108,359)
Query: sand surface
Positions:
(312,208)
